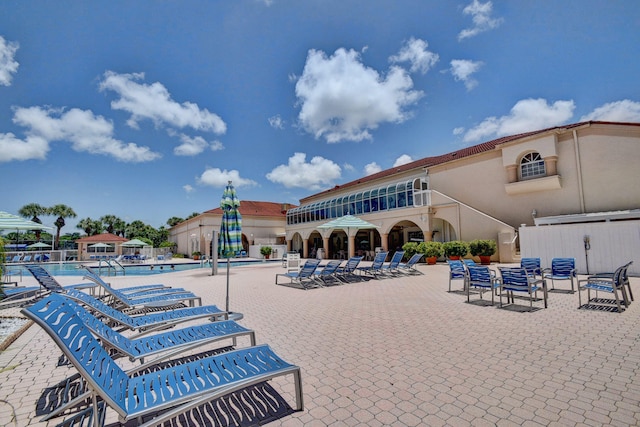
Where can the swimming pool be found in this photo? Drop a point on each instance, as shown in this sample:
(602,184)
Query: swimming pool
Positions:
(75,268)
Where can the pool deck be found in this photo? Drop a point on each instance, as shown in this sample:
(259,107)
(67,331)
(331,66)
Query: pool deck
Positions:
(395,352)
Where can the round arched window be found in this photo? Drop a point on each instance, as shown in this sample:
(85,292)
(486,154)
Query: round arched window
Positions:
(532,166)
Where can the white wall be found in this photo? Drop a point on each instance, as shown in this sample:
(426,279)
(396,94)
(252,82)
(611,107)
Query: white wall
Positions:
(612,244)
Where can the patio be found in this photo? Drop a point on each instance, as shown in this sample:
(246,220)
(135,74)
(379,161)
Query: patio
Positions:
(399,351)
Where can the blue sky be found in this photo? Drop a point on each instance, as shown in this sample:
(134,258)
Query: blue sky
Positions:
(145,109)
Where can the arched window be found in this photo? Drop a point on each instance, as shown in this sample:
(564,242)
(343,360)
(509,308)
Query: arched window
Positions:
(532,166)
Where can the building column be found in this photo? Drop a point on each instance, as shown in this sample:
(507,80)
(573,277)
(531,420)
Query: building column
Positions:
(352,246)
(305,248)
(385,241)
(325,246)
(288,245)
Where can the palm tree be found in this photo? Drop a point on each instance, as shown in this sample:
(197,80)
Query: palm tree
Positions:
(62,211)
(118,227)
(90,226)
(109,222)
(173,221)
(33,210)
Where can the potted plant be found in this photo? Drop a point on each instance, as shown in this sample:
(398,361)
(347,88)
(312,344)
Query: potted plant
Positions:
(483,249)
(455,249)
(410,249)
(266,251)
(196,255)
(431,251)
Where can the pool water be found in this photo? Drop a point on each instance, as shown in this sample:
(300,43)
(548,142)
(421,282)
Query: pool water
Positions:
(75,268)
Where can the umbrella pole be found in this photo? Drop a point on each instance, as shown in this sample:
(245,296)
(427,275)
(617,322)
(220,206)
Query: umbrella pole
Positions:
(227,302)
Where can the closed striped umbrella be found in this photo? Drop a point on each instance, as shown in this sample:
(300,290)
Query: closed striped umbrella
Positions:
(230,239)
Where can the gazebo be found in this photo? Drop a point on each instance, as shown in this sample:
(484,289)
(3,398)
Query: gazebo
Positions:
(104,238)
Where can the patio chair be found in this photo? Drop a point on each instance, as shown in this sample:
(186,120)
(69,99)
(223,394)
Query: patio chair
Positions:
(532,265)
(304,277)
(482,279)
(347,272)
(468,261)
(162,394)
(561,269)
(11,296)
(391,268)
(27,258)
(328,274)
(457,271)
(625,278)
(375,269)
(16,258)
(149,322)
(517,279)
(409,267)
(614,285)
(133,290)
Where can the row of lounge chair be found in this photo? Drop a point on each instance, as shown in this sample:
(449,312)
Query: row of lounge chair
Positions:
(312,275)
(97,327)
(30,258)
(530,278)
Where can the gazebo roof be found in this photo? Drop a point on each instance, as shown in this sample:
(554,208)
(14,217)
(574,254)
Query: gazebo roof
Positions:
(102,238)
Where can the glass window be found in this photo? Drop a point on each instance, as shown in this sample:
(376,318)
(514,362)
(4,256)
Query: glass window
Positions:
(359,203)
(532,166)
(334,204)
(391,197)
(366,204)
(382,199)
(352,205)
(374,200)
(402,195)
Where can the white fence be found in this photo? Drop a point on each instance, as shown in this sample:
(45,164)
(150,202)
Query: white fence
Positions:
(611,244)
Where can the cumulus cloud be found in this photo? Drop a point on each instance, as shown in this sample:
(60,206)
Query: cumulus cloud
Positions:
(317,174)
(215,177)
(188,188)
(343,100)
(348,167)
(371,168)
(193,146)
(482,20)
(618,111)
(153,102)
(527,115)
(8,65)
(85,131)
(462,69)
(12,148)
(415,52)
(402,160)
(276,122)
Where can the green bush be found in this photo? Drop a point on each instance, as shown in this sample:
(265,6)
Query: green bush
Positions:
(431,249)
(455,248)
(410,249)
(481,247)
(266,250)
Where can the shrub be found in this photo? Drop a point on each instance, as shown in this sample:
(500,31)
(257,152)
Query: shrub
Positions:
(455,248)
(480,247)
(431,249)
(266,250)
(410,249)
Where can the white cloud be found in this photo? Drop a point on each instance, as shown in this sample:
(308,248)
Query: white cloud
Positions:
(458,131)
(348,167)
(85,131)
(193,146)
(315,175)
(371,168)
(153,102)
(462,69)
(403,160)
(215,177)
(8,65)
(12,148)
(415,52)
(342,100)
(276,122)
(482,20)
(527,115)
(618,111)
(188,188)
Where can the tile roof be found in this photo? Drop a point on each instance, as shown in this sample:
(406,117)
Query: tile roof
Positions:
(253,208)
(103,237)
(454,155)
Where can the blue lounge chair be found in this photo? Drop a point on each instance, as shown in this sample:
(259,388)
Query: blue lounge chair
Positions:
(517,279)
(468,261)
(149,322)
(625,278)
(375,269)
(561,269)
(27,258)
(392,267)
(11,296)
(162,394)
(532,265)
(133,291)
(304,277)
(410,266)
(347,272)
(328,274)
(482,279)
(457,271)
(601,283)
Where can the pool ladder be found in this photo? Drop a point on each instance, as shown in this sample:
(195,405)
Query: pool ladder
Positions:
(111,266)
